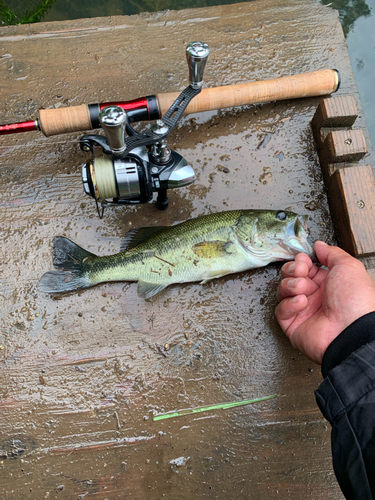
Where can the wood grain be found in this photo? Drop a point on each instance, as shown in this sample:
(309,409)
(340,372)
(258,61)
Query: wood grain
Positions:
(353,199)
(81,374)
(351,185)
(345,146)
(340,111)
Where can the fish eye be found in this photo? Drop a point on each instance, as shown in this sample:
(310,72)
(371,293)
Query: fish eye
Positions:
(281,215)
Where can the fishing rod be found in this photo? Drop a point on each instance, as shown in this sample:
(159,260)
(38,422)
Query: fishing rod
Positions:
(128,167)
(86,116)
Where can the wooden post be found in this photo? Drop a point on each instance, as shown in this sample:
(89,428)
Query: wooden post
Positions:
(351,186)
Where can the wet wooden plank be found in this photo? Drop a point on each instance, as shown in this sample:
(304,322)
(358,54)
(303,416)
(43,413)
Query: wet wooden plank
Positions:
(338,111)
(353,199)
(81,374)
(345,146)
(351,185)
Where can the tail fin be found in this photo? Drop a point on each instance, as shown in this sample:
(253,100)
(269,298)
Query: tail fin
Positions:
(69,257)
(62,281)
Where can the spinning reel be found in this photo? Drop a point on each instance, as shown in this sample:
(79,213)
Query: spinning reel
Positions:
(129,170)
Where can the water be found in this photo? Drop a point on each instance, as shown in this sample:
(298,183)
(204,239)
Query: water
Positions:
(361,47)
(357,18)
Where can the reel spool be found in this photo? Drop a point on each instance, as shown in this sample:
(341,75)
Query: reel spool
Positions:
(133,168)
(104,178)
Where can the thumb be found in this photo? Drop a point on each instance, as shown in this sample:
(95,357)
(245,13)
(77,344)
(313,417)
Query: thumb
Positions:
(330,256)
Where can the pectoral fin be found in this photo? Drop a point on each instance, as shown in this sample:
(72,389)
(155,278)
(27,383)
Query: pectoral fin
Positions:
(211,275)
(147,290)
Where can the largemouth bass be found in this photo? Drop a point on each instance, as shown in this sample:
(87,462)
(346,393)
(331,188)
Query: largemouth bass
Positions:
(199,249)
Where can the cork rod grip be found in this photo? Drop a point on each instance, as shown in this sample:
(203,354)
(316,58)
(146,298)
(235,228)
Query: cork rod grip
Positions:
(63,120)
(77,118)
(310,84)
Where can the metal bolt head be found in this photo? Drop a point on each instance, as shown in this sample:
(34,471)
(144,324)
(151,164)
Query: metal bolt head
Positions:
(159,127)
(361,204)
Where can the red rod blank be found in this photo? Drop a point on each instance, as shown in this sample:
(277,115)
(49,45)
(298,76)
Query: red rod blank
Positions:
(15,128)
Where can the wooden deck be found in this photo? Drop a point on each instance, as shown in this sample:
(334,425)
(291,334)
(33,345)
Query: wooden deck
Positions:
(81,374)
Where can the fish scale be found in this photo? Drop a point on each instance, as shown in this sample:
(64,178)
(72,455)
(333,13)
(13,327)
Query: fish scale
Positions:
(198,249)
(180,238)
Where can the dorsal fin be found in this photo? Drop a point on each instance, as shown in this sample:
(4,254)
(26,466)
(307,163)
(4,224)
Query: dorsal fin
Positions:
(135,236)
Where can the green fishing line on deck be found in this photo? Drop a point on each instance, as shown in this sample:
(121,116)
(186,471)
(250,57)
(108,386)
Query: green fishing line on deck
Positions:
(220,406)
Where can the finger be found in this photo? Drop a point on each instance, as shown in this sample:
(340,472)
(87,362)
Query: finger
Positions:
(313,284)
(297,268)
(330,256)
(302,257)
(290,287)
(317,275)
(295,286)
(287,310)
(313,271)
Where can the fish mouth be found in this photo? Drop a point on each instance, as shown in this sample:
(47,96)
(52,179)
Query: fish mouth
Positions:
(302,219)
(296,245)
(296,238)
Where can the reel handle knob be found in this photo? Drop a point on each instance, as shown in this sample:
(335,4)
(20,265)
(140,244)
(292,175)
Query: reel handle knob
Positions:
(113,120)
(197,55)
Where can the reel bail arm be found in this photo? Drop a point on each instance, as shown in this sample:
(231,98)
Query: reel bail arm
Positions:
(132,168)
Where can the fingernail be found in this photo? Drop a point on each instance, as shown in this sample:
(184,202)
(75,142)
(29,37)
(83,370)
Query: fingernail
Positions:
(292,267)
(292,283)
(295,298)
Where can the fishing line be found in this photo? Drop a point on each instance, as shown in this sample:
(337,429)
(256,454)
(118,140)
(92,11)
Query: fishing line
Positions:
(105,178)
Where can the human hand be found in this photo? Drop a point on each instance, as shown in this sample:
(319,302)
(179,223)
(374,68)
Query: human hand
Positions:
(316,304)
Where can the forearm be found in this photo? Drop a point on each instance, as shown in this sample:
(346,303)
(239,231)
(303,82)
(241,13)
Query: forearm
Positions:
(347,400)
(357,334)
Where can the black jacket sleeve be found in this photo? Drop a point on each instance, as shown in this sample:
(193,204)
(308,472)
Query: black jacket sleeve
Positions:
(346,398)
